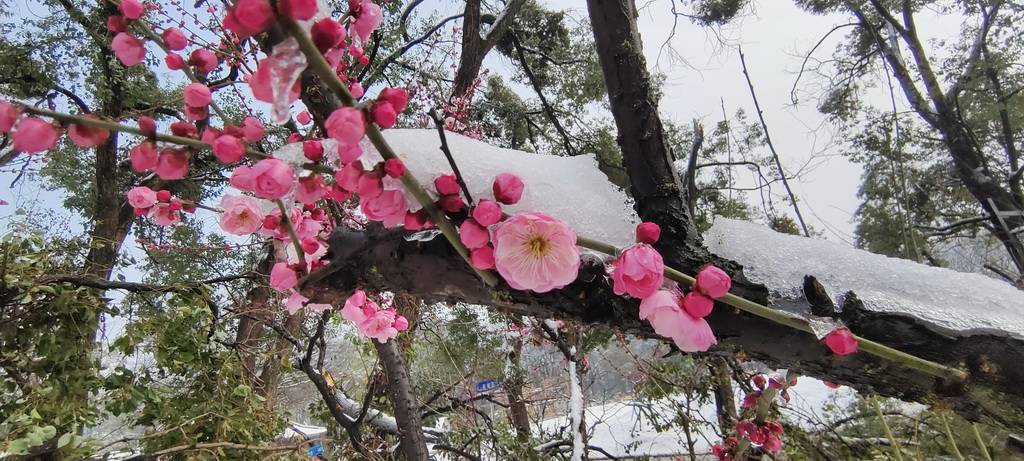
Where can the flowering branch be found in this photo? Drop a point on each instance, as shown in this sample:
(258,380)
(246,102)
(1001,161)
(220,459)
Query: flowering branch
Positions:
(323,69)
(287,222)
(170,138)
(793,321)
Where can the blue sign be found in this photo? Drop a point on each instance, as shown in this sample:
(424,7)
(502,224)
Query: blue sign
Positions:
(315,450)
(487,385)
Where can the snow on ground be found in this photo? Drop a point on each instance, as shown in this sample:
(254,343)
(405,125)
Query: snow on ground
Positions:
(954,300)
(625,429)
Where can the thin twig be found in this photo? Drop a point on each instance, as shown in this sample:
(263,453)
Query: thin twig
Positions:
(439,123)
(768,140)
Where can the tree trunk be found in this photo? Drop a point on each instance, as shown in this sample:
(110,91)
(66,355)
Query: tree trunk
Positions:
(514,385)
(725,400)
(403,398)
(654,182)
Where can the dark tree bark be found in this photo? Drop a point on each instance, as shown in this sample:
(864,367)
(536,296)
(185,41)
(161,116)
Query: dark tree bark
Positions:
(654,182)
(410,428)
(725,400)
(514,387)
(435,273)
(475,46)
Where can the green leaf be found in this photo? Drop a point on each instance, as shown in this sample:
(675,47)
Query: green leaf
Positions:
(64,440)
(242,390)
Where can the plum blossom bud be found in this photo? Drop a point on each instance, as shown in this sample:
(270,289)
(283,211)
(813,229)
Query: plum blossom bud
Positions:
(313,150)
(648,232)
(841,342)
(204,60)
(487,212)
(147,125)
(131,9)
(446,184)
(397,97)
(174,39)
(713,282)
(174,62)
(508,188)
(384,114)
(451,203)
(473,235)
(482,258)
(197,95)
(163,196)
(327,33)
(394,168)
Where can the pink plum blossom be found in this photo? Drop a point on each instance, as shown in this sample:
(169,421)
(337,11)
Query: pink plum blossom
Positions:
(346,125)
(87,136)
(242,214)
(252,129)
(34,135)
(283,277)
(8,116)
(369,19)
(141,197)
(249,17)
(143,157)
(172,164)
(228,149)
(638,271)
(197,95)
(534,251)
(662,311)
(128,49)
(269,178)
(310,188)
(295,302)
(165,215)
(298,9)
(388,207)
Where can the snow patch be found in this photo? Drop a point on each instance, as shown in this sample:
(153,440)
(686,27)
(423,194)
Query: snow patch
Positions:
(954,300)
(571,189)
